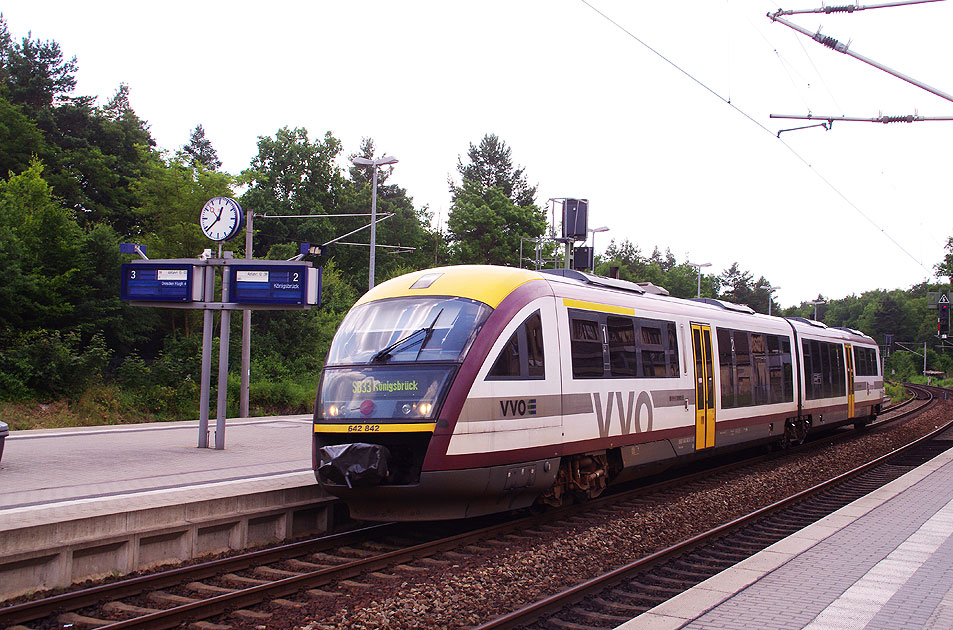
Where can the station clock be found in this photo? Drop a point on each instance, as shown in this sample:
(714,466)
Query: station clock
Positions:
(221,218)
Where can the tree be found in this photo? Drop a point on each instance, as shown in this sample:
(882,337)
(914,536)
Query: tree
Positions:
(485,227)
(33,73)
(200,150)
(493,208)
(491,166)
(740,289)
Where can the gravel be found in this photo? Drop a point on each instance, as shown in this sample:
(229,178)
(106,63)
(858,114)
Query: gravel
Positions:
(492,580)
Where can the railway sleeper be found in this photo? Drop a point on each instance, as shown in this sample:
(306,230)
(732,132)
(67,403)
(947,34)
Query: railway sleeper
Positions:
(601,617)
(621,607)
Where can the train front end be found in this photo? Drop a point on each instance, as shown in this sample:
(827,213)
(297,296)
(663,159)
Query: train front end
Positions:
(390,368)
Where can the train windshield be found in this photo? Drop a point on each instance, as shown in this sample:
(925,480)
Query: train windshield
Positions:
(402,330)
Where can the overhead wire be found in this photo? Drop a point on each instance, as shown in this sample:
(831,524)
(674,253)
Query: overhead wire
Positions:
(753,120)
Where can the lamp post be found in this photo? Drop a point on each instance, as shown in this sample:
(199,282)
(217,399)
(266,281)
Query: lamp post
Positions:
(375,164)
(699,267)
(815,303)
(593,232)
(771,291)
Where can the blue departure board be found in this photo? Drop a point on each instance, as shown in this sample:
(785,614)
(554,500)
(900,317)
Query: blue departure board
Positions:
(271,284)
(158,282)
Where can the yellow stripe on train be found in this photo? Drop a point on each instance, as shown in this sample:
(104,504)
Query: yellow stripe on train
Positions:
(360,427)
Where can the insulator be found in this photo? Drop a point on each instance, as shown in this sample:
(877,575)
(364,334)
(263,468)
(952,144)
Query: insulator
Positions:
(828,41)
(849,8)
(892,119)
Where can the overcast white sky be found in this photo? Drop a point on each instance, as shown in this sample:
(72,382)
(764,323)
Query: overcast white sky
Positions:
(587,109)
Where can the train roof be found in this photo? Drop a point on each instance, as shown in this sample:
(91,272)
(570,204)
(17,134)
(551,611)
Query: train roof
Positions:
(491,284)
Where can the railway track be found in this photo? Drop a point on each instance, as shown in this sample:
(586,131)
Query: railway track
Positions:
(617,596)
(233,590)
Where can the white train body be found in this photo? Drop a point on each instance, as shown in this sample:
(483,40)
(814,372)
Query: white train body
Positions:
(544,385)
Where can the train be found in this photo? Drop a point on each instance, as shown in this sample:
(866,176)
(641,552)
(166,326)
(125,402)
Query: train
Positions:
(463,391)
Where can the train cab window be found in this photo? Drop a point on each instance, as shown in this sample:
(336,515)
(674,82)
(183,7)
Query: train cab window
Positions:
(622,356)
(585,347)
(522,356)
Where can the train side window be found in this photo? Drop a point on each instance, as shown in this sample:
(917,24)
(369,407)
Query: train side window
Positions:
(775,369)
(653,352)
(726,366)
(759,373)
(672,351)
(788,369)
(839,368)
(658,349)
(743,367)
(623,360)
(522,356)
(585,346)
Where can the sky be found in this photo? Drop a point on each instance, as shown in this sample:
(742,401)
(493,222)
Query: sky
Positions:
(658,113)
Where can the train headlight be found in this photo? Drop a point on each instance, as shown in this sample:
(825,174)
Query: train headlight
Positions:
(334,411)
(425,409)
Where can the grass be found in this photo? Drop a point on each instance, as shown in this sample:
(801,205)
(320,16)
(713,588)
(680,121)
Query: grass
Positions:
(110,404)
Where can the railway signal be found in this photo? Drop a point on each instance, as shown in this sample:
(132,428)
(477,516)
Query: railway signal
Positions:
(943,316)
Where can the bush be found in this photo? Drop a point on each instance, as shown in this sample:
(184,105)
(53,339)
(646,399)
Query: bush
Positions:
(50,364)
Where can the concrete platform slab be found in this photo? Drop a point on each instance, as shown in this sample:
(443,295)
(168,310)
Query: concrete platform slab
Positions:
(901,576)
(83,503)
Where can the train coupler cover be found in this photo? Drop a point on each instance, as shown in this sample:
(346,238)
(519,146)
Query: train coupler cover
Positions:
(356,465)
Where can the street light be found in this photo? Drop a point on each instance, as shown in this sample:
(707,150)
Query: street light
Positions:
(593,232)
(815,303)
(771,291)
(359,161)
(699,267)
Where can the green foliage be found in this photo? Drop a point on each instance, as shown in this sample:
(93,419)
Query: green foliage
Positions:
(493,208)
(50,364)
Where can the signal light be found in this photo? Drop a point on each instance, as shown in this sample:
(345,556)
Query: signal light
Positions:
(943,320)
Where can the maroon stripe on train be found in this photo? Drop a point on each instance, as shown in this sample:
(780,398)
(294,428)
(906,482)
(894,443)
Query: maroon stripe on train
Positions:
(492,328)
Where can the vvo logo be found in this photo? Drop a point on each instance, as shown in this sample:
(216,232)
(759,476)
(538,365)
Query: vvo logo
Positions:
(630,409)
(519,407)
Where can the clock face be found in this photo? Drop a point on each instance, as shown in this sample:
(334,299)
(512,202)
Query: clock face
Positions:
(221,218)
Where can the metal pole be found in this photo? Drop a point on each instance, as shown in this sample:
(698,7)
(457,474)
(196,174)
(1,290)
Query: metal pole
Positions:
(924,359)
(370,273)
(833,44)
(568,254)
(223,339)
(699,281)
(246,326)
(206,357)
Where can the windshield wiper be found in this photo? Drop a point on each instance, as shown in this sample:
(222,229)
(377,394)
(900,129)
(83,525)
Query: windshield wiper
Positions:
(384,353)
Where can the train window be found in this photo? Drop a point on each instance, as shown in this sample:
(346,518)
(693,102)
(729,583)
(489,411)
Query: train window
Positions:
(838,371)
(585,347)
(658,350)
(726,367)
(522,356)
(788,369)
(622,356)
(672,350)
(759,373)
(743,367)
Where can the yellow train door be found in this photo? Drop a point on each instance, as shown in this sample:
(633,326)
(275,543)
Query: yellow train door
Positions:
(850,380)
(704,387)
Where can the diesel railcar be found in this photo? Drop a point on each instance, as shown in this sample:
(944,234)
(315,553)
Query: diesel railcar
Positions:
(462,391)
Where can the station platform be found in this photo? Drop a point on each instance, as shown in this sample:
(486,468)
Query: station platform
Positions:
(81,503)
(883,562)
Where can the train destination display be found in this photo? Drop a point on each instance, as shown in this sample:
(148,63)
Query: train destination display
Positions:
(161,282)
